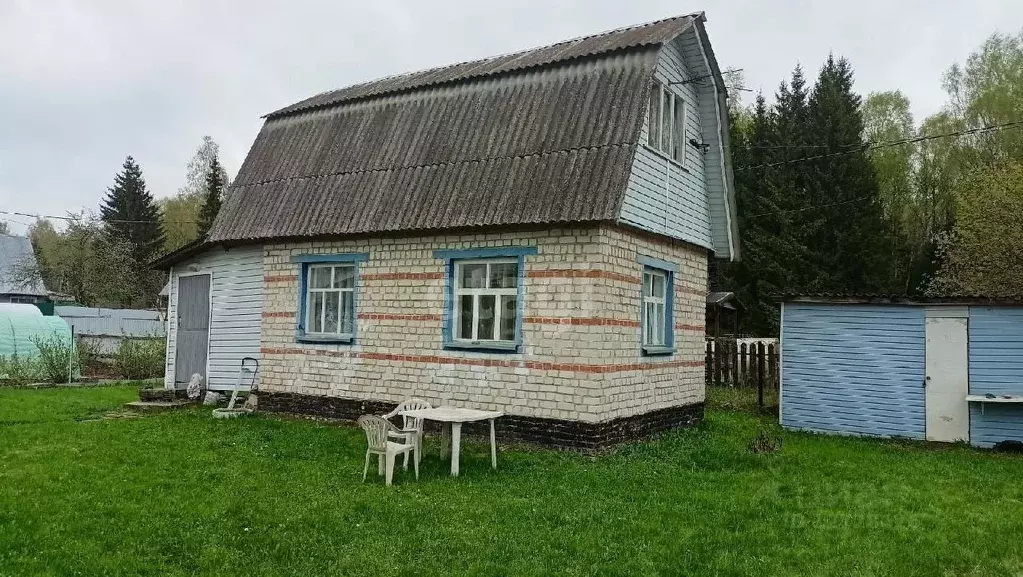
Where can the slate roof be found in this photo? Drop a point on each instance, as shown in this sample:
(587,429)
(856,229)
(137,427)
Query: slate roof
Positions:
(538,137)
(15,255)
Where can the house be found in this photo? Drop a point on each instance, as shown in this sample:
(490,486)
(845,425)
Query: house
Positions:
(940,369)
(19,277)
(528,232)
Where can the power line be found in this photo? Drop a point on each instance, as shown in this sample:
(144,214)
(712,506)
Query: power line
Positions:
(805,208)
(704,77)
(76,218)
(866,147)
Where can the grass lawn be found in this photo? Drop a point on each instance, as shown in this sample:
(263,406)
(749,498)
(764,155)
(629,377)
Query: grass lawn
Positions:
(182,494)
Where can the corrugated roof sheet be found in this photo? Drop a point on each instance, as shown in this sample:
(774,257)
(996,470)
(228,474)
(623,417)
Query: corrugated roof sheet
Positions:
(16,259)
(543,136)
(653,33)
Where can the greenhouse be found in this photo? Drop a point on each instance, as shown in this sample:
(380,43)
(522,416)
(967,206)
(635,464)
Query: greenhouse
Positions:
(23,325)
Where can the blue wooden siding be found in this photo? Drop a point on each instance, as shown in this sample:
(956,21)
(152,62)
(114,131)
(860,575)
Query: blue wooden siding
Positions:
(996,366)
(663,197)
(854,369)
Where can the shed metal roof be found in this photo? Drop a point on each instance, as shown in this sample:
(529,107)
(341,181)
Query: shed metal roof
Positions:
(539,137)
(901,299)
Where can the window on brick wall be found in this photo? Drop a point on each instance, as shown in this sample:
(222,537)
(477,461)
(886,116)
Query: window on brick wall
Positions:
(486,301)
(484,297)
(657,323)
(327,297)
(330,300)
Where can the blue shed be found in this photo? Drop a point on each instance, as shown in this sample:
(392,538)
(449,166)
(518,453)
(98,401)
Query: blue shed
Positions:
(947,369)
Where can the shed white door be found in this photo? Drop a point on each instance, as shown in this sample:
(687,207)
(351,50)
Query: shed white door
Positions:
(193,327)
(947,380)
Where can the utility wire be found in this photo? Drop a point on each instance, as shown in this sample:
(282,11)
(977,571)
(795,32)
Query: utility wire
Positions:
(74,218)
(805,208)
(866,147)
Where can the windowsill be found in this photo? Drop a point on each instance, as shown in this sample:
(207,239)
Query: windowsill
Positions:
(323,339)
(651,350)
(670,160)
(483,347)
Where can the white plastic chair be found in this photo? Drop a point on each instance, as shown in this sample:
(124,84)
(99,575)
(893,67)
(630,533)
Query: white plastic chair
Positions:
(377,431)
(411,428)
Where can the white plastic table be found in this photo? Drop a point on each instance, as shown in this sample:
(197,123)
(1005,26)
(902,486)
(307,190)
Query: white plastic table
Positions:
(451,419)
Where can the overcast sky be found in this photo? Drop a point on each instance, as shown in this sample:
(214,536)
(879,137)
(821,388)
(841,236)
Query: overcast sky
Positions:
(85,83)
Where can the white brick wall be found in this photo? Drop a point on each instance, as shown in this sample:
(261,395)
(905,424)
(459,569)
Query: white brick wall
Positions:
(580,358)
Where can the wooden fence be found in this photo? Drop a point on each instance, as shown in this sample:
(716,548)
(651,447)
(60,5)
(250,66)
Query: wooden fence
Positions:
(753,365)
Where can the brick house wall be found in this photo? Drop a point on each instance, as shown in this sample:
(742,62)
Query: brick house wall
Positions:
(580,378)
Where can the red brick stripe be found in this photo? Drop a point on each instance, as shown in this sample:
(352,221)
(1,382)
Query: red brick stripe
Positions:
(443,360)
(691,291)
(583,321)
(403,276)
(280,278)
(684,327)
(588,273)
(279,315)
(390,317)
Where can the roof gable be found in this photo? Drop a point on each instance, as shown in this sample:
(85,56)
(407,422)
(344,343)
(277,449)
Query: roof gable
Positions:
(543,136)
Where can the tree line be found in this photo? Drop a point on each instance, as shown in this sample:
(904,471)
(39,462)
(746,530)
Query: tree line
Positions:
(841,194)
(102,259)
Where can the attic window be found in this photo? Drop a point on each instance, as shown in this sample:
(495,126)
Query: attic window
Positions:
(666,122)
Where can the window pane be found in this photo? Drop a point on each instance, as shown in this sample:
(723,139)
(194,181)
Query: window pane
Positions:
(464,329)
(648,319)
(657,286)
(647,284)
(485,325)
(347,313)
(313,321)
(319,277)
(509,308)
(503,275)
(679,131)
(474,275)
(344,277)
(332,315)
(666,122)
(654,116)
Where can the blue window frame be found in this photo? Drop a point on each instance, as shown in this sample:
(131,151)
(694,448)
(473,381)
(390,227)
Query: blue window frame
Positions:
(483,298)
(657,324)
(327,295)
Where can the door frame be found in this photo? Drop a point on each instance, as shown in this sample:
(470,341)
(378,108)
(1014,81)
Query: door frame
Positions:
(947,312)
(209,321)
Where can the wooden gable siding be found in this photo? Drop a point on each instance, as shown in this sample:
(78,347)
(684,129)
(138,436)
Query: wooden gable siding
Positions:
(710,117)
(662,197)
(853,369)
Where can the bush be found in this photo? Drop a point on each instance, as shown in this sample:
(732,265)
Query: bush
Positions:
(55,358)
(17,371)
(139,359)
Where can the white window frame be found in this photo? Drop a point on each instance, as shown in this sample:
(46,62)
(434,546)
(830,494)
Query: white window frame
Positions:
(660,331)
(457,292)
(671,145)
(309,290)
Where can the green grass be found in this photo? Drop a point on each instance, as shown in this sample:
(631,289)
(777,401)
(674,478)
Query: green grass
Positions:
(182,494)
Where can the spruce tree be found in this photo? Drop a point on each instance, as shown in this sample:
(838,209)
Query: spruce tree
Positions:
(130,214)
(851,245)
(131,219)
(214,197)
